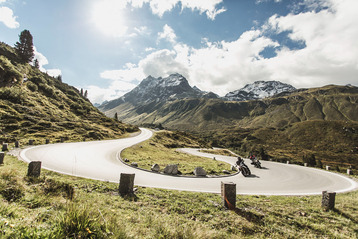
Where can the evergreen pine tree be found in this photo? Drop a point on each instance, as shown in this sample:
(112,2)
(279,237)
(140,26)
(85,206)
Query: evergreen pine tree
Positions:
(25,47)
(116,116)
(86,94)
(81,91)
(36,64)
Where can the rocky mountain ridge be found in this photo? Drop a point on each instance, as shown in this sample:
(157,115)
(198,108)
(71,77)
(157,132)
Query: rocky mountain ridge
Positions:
(259,90)
(176,86)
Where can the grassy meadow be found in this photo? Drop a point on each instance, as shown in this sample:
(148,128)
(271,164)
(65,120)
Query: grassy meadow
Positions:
(60,206)
(162,150)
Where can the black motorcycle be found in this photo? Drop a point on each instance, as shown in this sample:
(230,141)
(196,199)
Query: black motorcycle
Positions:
(242,167)
(256,163)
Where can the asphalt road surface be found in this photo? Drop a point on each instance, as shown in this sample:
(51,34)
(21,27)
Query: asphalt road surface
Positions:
(100,160)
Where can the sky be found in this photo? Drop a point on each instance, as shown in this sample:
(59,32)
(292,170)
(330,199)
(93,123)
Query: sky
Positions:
(109,46)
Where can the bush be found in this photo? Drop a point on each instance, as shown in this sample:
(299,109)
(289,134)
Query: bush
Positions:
(31,86)
(8,72)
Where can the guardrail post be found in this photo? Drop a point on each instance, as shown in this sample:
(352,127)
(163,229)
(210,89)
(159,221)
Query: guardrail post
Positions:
(2,156)
(47,141)
(328,168)
(31,142)
(5,147)
(17,144)
(328,200)
(34,169)
(228,194)
(126,183)
(349,171)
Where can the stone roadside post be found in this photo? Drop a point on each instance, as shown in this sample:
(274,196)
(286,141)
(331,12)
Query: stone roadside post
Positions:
(34,169)
(5,147)
(328,200)
(2,156)
(126,183)
(228,194)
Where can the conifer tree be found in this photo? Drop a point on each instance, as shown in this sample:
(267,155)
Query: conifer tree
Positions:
(86,94)
(37,64)
(25,47)
(116,116)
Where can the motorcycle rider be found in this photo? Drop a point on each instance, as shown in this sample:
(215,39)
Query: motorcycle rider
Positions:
(252,158)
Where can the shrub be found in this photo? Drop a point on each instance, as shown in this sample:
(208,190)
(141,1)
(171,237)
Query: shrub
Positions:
(31,86)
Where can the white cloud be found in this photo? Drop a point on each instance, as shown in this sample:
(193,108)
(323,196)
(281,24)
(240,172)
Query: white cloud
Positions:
(330,54)
(117,88)
(167,34)
(159,7)
(7,17)
(42,60)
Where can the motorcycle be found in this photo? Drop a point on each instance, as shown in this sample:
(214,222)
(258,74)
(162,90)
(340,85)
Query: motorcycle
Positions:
(242,167)
(256,163)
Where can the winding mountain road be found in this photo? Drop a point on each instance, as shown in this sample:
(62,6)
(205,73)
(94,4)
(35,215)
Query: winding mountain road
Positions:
(100,160)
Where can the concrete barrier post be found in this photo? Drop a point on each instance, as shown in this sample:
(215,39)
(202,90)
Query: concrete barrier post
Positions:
(305,164)
(328,200)
(17,144)
(349,171)
(126,183)
(34,169)
(2,156)
(228,194)
(328,168)
(31,142)
(5,147)
(288,162)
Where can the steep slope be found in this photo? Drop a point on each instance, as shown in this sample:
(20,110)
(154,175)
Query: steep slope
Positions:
(158,90)
(259,90)
(35,105)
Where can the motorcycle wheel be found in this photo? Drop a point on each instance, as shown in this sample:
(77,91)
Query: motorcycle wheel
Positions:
(245,171)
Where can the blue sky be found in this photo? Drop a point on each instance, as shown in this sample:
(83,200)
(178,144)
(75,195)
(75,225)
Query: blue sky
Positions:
(109,46)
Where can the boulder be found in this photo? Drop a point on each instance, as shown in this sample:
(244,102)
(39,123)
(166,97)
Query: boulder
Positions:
(134,164)
(200,172)
(226,172)
(155,168)
(171,169)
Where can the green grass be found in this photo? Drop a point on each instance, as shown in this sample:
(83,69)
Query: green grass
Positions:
(97,211)
(159,150)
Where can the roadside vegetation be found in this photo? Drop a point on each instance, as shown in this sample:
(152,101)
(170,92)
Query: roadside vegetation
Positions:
(59,206)
(332,143)
(162,150)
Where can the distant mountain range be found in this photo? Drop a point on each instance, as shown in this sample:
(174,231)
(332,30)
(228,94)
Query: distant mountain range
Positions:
(176,86)
(259,90)
(173,103)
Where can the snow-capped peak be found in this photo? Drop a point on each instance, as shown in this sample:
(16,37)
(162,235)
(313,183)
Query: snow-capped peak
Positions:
(259,90)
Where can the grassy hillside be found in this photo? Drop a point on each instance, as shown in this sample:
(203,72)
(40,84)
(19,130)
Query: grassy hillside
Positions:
(37,106)
(333,143)
(320,121)
(58,206)
(338,103)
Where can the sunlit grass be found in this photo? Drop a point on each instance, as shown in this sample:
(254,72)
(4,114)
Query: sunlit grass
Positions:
(97,211)
(156,151)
